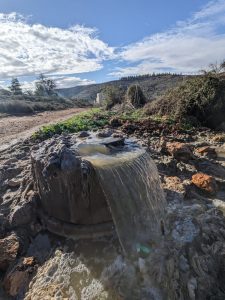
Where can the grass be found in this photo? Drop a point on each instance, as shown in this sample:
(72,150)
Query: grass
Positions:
(97,118)
(93,119)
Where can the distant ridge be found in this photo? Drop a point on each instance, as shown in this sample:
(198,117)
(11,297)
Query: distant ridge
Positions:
(152,86)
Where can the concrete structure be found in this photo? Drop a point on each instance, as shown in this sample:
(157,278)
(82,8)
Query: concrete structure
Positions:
(100,98)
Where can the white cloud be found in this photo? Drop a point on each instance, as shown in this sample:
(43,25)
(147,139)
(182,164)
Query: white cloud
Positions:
(188,47)
(61,82)
(32,49)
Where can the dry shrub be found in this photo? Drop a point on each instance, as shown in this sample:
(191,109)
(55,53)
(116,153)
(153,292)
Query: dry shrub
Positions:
(200,99)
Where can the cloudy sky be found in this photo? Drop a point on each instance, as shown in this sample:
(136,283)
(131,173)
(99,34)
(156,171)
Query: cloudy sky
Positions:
(85,41)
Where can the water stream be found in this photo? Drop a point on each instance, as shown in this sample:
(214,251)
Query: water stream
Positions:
(130,181)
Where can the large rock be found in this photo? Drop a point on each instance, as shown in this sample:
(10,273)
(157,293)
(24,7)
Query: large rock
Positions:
(206,151)
(9,247)
(205,182)
(180,151)
(68,186)
(16,280)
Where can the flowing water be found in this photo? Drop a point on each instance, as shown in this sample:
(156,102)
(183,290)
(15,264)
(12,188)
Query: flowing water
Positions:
(130,181)
(98,269)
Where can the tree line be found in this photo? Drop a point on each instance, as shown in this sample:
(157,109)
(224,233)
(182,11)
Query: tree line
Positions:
(146,76)
(44,87)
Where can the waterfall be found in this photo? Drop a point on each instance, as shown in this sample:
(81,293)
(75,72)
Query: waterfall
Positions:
(132,188)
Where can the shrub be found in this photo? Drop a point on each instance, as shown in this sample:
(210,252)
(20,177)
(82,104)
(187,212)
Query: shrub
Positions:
(113,96)
(15,107)
(200,99)
(135,96)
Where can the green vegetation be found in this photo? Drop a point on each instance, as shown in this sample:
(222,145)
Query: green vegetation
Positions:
(45,86)
(15,87)
(97,118)
(135,96)
(23,104)
(93,119)
(113,95)
(199,100)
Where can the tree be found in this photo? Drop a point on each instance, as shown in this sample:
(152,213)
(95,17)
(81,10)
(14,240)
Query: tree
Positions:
(45,86)
(113,95)
(135,96)
(15,87)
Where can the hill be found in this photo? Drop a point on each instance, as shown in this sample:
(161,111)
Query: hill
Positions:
(152,86)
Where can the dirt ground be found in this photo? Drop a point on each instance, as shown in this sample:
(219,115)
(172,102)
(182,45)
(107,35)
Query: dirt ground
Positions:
(15,128)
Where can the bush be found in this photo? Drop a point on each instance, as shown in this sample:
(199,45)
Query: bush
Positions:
(135,96)
(113,96)
(200,99)
(15,107)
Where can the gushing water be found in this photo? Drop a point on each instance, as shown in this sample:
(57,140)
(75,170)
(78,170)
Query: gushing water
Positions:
(132,188)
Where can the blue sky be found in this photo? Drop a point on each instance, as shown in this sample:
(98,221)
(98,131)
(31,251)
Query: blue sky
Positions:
(85,41)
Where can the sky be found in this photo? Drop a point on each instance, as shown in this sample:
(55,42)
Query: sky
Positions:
(79,42)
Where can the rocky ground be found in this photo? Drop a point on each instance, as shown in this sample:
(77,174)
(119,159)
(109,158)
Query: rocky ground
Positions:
(191,165)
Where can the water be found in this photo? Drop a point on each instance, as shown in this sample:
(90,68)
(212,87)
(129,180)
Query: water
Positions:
(97,268)
(130,181)
(91,270)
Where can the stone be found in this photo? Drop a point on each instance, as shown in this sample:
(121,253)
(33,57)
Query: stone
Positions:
(220,151)
(179,151)
(104,133)
(115,122)
(9,247)
(16,280)
(205,182)
(129,128)
(83,134)
(14,182)
(220,138)
(21,214)
(207,151)
(174,183)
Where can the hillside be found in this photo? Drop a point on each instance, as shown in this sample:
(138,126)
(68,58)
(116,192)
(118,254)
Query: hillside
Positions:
(152,86)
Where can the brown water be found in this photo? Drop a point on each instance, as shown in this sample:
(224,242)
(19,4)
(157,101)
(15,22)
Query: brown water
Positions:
(130,181)
(92,270)
(98,269)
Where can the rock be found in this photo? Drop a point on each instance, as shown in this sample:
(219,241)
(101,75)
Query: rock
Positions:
(9,247)
(129,128)
(104,133)
(115,122)
(219,138)
(205,182)
(207,151)
(113,141)
(40,247)
(17,278)
(220,151)
(179,151)
(174,183)
(83,134)
(14,182)
(22,214)
(192,287)
(10,161)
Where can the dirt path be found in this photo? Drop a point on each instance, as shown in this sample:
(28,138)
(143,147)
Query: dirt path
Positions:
(16,128)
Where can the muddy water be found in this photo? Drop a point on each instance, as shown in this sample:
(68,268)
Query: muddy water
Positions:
(130,181)
(91,270)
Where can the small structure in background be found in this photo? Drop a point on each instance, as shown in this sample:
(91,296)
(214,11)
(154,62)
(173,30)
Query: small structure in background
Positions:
(100,98)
